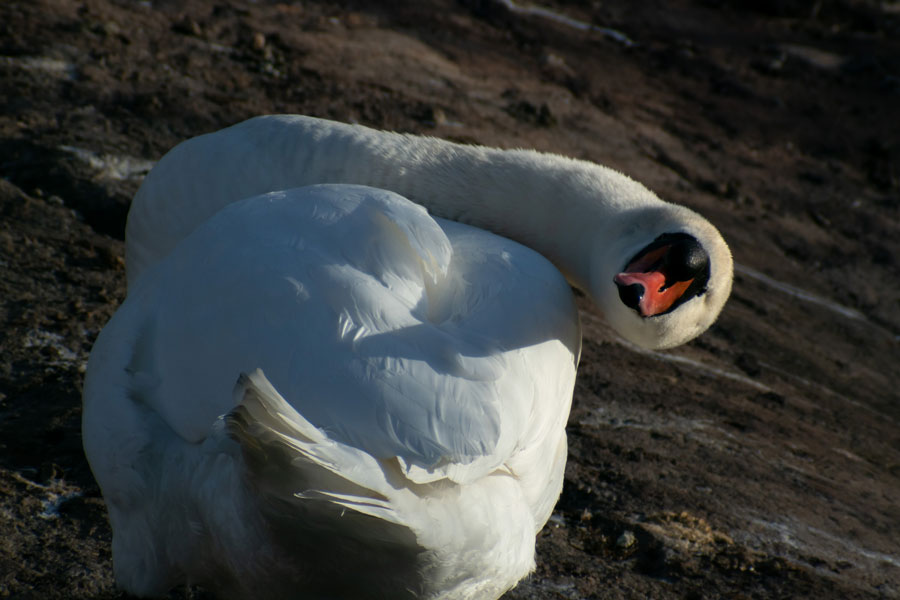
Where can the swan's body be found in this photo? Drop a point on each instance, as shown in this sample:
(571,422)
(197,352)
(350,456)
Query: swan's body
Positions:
(442,430)
(407,438)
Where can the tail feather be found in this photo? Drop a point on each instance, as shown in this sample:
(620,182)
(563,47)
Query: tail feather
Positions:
(293,460)
(322,499)
(373,507)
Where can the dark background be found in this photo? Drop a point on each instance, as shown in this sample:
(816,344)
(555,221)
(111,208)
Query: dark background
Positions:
(760,461)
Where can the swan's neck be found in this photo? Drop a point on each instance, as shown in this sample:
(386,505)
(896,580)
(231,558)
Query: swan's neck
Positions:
(564,209)
(558,206)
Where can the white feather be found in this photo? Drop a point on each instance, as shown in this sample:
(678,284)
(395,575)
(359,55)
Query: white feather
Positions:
(585,218)
(407,439)
(411,384)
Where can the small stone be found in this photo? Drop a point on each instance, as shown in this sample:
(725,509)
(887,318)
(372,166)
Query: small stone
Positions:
(259,41)
(626,540)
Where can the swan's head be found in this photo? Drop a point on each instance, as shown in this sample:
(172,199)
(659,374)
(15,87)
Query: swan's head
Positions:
(664,277)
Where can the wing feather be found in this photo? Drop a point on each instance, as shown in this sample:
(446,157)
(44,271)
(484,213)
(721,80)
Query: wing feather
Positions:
(393,333)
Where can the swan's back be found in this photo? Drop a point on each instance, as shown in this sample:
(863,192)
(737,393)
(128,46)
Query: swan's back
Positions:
(199,176)
(442,349)
(402,337)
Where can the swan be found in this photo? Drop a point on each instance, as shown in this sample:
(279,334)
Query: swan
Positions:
(592,222)
(396,311)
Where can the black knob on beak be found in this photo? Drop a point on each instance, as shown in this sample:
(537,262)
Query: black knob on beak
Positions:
(685,260)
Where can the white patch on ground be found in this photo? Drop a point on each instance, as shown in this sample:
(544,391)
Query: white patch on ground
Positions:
(696,365)
(557,520)
(56,493)
(796,292)
(823,389)
(546,13)
(690,363)
(112,167)
(52,66)
(612,415)
(822,59)
(797,541)
(533,587)
(54,500)
(65,357)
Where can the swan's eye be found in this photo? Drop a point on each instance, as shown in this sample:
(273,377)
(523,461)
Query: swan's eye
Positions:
(669,271)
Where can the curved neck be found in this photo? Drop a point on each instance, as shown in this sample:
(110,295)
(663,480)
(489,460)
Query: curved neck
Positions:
(558,206)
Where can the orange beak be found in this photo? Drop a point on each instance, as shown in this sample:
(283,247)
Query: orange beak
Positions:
(646,284)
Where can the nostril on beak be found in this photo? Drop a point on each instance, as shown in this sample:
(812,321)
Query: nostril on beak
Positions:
(631,294)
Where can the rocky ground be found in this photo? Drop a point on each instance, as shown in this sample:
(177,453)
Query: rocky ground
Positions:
(760,461)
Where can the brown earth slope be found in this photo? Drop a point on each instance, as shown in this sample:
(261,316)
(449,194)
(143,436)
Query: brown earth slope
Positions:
(760,461)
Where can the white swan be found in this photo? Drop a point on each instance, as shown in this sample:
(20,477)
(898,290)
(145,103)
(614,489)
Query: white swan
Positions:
(590,221)
(407,438)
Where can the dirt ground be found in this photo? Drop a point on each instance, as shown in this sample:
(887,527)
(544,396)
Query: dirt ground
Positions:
(760,461)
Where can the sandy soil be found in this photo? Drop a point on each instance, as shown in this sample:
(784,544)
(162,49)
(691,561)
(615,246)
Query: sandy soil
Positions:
(760,461)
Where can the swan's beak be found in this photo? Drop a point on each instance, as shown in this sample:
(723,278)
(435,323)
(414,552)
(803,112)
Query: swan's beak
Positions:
(661,275)
(647,292)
